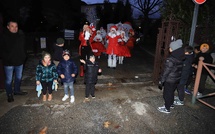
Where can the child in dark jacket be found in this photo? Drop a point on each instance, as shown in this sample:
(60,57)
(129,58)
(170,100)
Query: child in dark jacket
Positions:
(186,75)
(91,76)
(58,50)
(171,74)
(46,74)
(204,52)
(67,71)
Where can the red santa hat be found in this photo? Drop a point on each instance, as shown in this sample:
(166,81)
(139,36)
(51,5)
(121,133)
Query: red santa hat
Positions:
(113,28)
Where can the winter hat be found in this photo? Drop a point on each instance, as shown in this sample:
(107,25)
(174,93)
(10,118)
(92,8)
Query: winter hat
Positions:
(176,44)
(66,52)
(113,28)
(60,41)
(204,45)
(44,53)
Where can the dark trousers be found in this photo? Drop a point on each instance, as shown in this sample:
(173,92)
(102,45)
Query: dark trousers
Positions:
(180,89)
(190,81)
(168,93)
(184,81)
(90,90)
(85,52)
(202,82)
(46,86)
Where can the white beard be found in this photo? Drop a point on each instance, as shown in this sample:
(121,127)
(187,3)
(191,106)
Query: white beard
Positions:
(87,35)
(98,37)
(112,35)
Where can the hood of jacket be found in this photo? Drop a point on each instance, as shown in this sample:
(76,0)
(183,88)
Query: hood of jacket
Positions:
(179,54)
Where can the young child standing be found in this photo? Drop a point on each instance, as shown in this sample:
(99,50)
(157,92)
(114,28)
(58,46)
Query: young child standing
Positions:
(186,75)
(46,74)
(91,76)
(204,52)
(67,70)
(171,74)
(58,50)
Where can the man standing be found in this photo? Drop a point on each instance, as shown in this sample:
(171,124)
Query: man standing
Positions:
(13,53)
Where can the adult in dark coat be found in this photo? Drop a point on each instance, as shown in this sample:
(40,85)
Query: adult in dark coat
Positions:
(13,53)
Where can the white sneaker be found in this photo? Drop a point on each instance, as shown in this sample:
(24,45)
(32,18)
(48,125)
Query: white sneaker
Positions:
(72,99)
(178,102)
(199,95)
(65,97)
(163,110)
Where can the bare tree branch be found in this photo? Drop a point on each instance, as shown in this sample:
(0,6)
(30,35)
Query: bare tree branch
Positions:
(147,7)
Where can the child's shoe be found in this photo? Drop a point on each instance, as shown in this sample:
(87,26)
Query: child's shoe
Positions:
(65,97)
(163,110)
(186,91)
(172,106)
(93,96)
(86,100)
(49,97)
(178,102)
(44,97)
(72,99)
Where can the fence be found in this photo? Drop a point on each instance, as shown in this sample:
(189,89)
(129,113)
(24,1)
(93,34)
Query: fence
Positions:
(201,64)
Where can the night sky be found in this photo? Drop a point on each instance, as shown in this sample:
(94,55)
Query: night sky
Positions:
(136,13)
(96,1)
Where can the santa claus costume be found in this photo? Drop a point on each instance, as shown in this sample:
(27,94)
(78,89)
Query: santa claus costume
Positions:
(97,44)
(131,39)
(85,49)
(112,48)
(93,32)
(123,50)
(103,34)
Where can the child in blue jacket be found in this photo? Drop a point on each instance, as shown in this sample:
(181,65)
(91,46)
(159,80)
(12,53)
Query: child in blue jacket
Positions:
(67,71)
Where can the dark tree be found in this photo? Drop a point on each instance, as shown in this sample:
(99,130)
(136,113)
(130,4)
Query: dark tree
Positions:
(34,21)
(119,12)
(108,14)
(147,8)
(128,12)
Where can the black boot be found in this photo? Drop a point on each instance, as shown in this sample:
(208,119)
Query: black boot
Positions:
(10,98)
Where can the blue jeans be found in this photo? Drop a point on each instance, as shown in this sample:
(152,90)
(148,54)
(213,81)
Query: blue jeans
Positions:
(9,71)
(70,86)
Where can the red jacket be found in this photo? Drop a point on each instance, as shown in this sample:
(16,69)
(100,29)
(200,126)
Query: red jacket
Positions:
(83,41)
(112,47)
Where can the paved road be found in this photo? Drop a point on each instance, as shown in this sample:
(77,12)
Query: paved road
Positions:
(126,103)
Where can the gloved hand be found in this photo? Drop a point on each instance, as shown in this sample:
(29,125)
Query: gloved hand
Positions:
(160,85)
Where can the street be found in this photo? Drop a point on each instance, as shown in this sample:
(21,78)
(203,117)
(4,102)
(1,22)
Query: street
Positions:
(126,103)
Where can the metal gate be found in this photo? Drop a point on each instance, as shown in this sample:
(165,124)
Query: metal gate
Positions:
(169,28)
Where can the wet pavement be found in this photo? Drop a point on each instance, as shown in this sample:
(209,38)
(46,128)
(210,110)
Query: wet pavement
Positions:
(126,103)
